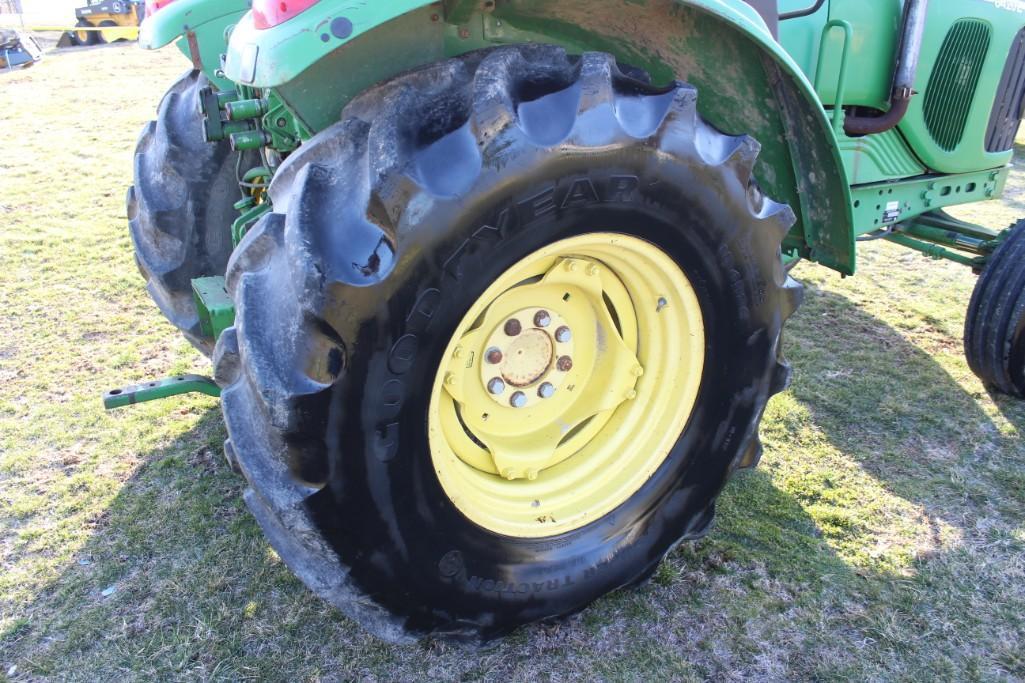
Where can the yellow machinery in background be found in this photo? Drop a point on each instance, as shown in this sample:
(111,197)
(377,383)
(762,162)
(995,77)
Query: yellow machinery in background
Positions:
(105,21)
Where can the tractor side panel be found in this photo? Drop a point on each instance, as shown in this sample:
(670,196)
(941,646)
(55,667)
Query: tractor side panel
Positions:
(748,85)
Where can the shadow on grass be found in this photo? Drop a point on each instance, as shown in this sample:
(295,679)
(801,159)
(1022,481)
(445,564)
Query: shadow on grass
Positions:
(888,404)
(176,580)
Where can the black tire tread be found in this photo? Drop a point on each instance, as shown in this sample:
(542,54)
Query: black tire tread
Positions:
(180,206)
(996,315)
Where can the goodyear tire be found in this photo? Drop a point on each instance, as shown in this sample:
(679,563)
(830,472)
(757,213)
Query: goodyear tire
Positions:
(388,228)
(994,336)
(180,207)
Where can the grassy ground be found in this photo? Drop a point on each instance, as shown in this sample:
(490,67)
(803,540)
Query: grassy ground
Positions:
(882,538)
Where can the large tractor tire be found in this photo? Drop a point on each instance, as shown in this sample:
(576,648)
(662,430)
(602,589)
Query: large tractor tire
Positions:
(510,329)
(181,207)
(994,336)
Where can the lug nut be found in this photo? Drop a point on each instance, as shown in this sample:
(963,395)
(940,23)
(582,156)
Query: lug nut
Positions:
(542,319)
(512,327)
(593,270)
(496,386)
(531,474)
(564,364)
(518,400)
(546,390)
(563,335)
(494,356)
(450,379)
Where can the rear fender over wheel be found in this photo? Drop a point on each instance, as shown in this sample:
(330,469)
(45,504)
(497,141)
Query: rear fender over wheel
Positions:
(391,229)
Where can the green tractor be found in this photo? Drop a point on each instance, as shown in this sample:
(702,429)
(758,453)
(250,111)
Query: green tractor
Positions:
(494,290)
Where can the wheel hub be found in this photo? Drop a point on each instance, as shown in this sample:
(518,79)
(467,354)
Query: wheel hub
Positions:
(530,389)
(566,384)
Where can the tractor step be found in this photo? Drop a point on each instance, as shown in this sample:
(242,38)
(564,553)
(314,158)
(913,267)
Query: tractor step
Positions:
(158,389)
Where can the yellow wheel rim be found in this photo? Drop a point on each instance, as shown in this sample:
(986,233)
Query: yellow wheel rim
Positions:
(566,385)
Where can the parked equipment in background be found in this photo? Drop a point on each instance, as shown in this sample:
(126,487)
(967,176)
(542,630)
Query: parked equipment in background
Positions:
(18,49)
(494,290)
(106,21)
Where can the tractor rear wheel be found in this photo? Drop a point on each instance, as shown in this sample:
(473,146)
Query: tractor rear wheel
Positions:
(994,336)
(513,324)
(181,206)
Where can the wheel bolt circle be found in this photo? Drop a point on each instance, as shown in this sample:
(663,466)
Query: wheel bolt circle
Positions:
(563,334)
(518,400)
(542,319)
(546,390)
(494,355)
(496,386)
(512,327)
(564,364)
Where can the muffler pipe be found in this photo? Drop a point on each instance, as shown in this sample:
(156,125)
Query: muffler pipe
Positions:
(905,72)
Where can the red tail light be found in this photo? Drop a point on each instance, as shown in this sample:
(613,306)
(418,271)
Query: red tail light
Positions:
(154,6)
(270,13)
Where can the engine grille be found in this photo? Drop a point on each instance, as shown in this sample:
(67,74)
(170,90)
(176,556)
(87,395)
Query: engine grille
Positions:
(1010,99)
(951,89)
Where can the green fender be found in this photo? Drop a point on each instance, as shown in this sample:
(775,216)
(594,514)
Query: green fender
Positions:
(748,84)
(206,20)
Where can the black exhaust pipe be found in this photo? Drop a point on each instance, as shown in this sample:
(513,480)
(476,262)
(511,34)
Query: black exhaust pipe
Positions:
(905,72)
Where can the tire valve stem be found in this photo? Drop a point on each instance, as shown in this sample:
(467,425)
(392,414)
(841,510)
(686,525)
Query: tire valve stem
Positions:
(662,303)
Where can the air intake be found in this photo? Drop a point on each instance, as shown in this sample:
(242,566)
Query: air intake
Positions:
(1010,99)
(951,90)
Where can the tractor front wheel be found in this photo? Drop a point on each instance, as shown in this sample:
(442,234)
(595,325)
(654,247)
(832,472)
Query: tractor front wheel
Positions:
(510,329)
(994,335)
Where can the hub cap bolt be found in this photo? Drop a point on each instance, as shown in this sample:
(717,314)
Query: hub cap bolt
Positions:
(518,400)
(496,386)
(512,327)
(494,356)
(546,390)
(563,335)
(565,363)
(542,319)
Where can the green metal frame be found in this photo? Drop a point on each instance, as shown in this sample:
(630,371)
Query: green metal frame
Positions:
(215,307)
(280,86)
(160,389)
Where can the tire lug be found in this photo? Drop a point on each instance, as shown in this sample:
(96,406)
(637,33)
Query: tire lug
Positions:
(496,386)
(563,334)
(512,327)
(494,355)
(518,400)
(546,390)
(542,319)
(564,364)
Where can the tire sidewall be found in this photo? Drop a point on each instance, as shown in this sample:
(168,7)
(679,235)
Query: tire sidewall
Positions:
(403,535)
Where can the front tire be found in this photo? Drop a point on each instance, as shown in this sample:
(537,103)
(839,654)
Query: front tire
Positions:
(994,337)
(390,228)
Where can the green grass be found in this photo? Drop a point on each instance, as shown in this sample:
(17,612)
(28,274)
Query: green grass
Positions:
(882,537)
